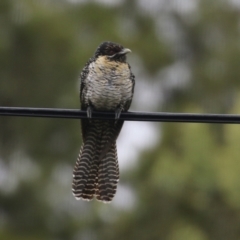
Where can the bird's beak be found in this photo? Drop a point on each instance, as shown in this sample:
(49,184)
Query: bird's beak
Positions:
(125,51)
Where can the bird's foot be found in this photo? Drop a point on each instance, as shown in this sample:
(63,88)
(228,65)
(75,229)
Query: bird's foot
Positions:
(117,114)
(89,111)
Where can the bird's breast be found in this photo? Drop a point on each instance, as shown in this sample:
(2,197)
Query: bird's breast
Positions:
(108,84)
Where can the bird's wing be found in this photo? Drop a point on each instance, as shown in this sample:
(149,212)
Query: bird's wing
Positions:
(128,103)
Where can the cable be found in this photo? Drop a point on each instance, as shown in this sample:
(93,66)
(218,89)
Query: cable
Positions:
(130,116)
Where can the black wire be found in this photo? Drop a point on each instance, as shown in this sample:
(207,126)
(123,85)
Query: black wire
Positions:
(130,116)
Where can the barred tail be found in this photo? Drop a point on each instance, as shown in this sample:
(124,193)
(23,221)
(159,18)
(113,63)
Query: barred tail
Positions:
(86,168)
(108,176)
(100,179)
(96,172)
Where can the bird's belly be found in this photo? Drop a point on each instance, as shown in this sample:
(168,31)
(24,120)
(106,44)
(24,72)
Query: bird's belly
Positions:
(108,96)
(108,84)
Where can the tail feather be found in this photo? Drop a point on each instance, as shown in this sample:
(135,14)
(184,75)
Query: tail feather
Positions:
(108,175)
(85,170)
(96,172)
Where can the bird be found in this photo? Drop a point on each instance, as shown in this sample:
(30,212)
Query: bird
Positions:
(106,84)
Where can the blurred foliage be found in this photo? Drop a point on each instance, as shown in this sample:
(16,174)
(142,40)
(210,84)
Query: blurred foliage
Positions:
(187,186)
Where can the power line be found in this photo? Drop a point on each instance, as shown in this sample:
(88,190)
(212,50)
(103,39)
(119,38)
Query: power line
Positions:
(129,116)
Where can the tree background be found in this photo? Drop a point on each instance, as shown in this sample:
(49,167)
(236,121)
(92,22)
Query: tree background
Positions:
(178,181)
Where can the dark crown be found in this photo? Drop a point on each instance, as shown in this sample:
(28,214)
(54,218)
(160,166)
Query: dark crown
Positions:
(113,50)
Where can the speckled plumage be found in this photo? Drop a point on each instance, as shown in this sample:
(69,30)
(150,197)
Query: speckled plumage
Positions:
(107,84)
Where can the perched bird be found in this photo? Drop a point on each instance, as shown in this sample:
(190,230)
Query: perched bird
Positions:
(107,84)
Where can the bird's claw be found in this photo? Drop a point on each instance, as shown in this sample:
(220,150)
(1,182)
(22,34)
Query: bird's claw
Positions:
(89,112)
(118,113)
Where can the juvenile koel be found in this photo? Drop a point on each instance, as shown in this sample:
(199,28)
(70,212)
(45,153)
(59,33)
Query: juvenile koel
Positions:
(107,84)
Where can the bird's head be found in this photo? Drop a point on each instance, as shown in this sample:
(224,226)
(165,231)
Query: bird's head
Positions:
(113,51)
